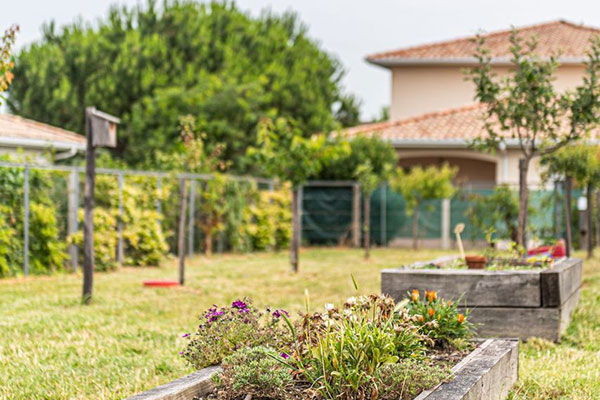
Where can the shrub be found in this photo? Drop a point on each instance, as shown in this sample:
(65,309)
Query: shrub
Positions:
(267,221)
(105,240)
(47,251)
(224,330)
(438,318)
(406,379)
(256,371)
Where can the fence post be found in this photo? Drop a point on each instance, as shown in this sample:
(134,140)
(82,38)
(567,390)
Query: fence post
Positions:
(355,215)
(158,194)
(120,221)
(445,224)
(26,223)
(300,212)
(191,218)
(383,215)
(73,223)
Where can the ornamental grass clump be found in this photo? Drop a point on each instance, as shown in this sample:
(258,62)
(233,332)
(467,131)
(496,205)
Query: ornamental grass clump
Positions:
(369,348)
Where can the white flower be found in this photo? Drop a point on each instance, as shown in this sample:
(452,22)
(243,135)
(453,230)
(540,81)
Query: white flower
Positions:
(351,301)
(328,306)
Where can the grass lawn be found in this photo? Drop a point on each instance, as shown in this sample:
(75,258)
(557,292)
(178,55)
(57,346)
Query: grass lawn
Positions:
(52,347)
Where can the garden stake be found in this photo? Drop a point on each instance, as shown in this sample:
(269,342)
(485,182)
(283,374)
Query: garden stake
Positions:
(457,231)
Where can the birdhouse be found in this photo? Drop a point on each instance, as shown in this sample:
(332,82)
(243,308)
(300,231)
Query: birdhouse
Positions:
(103,127)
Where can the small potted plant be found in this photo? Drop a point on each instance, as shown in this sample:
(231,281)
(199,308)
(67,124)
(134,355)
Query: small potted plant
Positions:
(476,261)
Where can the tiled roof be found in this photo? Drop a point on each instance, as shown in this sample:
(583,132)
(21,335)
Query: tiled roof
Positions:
(563,38)
(12,126)
(458,125)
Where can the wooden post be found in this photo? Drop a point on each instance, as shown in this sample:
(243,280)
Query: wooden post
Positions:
(295,243)
(445,224)
(100,131)
(192,201)
(26,222)
(181,233)
(73,223)
(569,238)
(120,221)
(88,213)
(356,215)
(367,225)
(589,233)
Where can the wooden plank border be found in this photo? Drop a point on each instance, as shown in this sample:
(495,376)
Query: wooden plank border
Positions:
(186,388)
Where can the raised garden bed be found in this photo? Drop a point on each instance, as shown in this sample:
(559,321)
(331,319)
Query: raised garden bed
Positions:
(487,373)
(523,303)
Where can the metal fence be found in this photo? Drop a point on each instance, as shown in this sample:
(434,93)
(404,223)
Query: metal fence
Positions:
(73,178)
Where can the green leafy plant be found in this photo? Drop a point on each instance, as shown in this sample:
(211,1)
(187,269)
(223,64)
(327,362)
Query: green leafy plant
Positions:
(105,239)
(439,319)
(255,371)
(421,184)
(495,213)
(224,330)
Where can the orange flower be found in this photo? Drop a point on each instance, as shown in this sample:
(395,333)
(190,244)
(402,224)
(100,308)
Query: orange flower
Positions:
(431,312)
(414,295)
(431,295)
(460,318)
(449,303)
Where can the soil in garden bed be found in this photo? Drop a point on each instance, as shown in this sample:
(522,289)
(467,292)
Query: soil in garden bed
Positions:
(440,356)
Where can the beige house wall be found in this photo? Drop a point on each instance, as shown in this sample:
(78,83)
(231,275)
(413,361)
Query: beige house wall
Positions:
(421,89)
(475,167)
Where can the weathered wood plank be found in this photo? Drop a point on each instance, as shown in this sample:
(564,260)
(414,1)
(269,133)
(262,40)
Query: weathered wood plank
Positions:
(559,283)
(186,388)
(517,322)
(488,373)
(477,288)
(566,311)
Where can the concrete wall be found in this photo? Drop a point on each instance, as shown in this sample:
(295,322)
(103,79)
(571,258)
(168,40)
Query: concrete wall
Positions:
(421,89)
(475,168)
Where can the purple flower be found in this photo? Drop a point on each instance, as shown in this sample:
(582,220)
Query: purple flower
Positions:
(185,335)
(181,353)
(284,355)
(279,313)
(239,305)
(212,314)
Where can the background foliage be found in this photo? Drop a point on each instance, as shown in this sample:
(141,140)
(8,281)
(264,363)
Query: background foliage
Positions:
(150,64)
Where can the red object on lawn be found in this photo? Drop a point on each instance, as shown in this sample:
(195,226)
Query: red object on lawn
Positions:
(161,283)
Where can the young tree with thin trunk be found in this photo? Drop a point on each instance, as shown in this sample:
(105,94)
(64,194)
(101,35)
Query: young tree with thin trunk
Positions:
(369,180)
(525,107)
(284,153)
(580,164)
(422,184)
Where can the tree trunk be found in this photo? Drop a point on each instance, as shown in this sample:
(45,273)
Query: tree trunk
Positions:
(208,243)
(590,235)
(523,201)
(367,225)
(181,233)
(415,229)
(295,243)
(569,238)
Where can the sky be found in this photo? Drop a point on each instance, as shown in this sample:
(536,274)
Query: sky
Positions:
(348,29)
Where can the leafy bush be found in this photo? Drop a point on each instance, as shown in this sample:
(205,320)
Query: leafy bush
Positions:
(105,239)
(438,318)
(267,221)
(226,329)
(46,250)
(256,371)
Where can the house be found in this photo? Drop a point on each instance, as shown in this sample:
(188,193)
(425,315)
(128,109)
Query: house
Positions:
(36,140)
(433,117)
